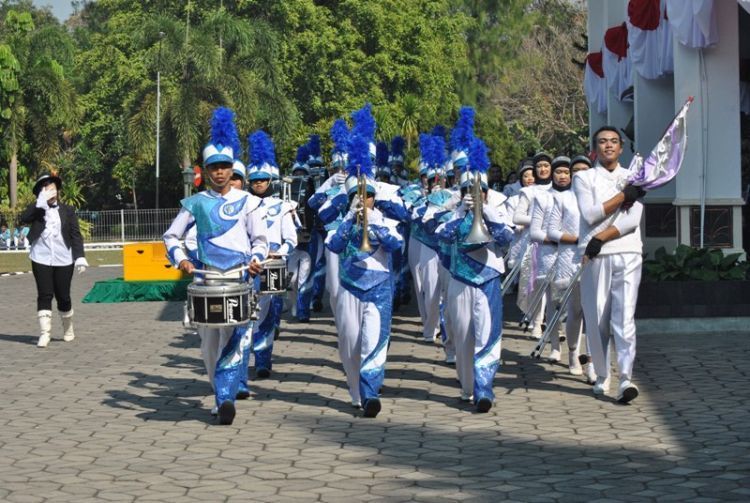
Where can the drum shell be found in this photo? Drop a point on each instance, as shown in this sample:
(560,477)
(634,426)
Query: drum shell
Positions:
(220,305)
(274,279)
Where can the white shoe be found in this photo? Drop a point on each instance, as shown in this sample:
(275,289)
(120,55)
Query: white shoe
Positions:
(357,404)
(627,391)
(536,333)
(45,328)
(67,322)
(450,359)
(215,411)
(590,373)
(466,397)
(574,366)
(554,356)
(602,386)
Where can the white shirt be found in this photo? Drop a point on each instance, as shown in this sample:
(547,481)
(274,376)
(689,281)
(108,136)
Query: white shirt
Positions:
(50,248)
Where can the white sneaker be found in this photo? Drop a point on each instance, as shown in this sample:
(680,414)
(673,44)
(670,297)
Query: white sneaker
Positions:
(602,386)
(215,411)
(574,366)
(356,404)
(554,356)
(466,397)
(43,341)
(590,373)
(450,359)
(536,333)
(627,391)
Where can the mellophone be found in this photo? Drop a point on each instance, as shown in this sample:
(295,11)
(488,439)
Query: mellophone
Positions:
(226,299)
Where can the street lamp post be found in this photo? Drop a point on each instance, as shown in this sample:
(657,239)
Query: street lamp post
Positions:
(188,176)
(158,116)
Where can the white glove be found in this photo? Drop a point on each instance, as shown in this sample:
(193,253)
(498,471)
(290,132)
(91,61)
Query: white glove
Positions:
(355,204)
(42,200)
(339,178)
(372,235)
(468,201)
(81,264)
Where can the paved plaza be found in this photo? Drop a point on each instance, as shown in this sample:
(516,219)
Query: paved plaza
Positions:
(121,414)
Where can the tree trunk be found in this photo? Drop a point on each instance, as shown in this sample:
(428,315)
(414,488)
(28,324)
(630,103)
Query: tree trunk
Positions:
(13,183)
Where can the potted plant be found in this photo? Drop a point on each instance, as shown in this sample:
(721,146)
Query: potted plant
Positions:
(694,282)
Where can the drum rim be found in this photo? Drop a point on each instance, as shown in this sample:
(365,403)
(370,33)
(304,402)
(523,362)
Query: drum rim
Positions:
(203,290)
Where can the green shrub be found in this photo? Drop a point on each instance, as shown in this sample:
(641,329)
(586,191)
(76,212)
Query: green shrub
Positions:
(694,264)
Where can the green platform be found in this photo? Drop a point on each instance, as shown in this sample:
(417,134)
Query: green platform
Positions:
(119,290)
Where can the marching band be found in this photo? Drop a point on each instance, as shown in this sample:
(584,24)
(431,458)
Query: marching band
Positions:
(566,238)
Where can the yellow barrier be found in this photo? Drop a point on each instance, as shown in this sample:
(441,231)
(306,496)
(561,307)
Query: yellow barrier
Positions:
(148,262)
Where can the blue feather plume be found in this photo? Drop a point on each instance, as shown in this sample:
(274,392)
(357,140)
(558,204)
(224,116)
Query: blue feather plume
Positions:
(425,140)
(261,149)
(303,153)
(364,123)
(224,131)
(381,154)
(360,161)
(439,155)
(463,132)
(313,145)
(440,131)
(479,159)
(340,136)
(397,146)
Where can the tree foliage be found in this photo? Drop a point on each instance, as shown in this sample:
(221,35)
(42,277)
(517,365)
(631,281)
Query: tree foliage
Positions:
(81,98)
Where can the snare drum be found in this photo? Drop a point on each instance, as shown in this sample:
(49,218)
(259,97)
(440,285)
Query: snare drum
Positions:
(274,279)
(220,305)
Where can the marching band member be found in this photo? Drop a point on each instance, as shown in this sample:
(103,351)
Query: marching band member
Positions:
(282,240)
(563,228)
(522,216)
(330,203)
(474,291)
(364,301)
(301,261)
(230,233)
(612,245)
(317,231)
(546,249)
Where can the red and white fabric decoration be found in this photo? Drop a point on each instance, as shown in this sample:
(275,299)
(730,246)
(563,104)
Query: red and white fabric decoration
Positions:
(594,83)
(650,38)
(693,22)
(617,65)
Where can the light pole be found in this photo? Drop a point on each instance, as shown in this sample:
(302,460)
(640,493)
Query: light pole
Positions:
(188,176)
(158,115)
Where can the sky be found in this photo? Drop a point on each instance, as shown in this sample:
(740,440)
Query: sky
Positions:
(60,8)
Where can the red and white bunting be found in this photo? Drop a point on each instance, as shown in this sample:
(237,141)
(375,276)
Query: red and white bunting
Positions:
(693,22)
(649,38)
(594,83)
(617,66)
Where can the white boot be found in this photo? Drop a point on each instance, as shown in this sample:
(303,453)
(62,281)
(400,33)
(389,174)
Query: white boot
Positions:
(45,328)
(67,321)
(574,366)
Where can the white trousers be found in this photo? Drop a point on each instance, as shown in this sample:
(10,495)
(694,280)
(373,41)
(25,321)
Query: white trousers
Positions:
(429,264)
(609,292)
(415,251)
(444,278)
(300,265)
(332,278)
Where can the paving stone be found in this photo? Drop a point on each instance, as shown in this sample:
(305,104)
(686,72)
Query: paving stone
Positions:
(121,414)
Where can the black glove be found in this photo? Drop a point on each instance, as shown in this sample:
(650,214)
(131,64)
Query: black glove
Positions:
(632,193)
(593,248)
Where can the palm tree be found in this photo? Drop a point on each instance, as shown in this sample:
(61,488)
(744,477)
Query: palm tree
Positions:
(43,105)
(223,61)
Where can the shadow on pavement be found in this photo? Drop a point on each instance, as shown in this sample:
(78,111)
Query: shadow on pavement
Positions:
(23,339)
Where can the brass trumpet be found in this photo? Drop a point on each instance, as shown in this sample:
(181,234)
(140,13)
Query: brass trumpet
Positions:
(365,246)
(478,233)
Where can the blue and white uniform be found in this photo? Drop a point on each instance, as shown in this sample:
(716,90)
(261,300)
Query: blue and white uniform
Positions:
(364,301)
(229,233)
(475,298)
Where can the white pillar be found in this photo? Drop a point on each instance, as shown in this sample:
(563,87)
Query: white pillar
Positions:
(712,76)
(596,26)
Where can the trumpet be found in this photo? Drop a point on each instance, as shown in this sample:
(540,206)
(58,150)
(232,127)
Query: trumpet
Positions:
(478,233)
(365,246)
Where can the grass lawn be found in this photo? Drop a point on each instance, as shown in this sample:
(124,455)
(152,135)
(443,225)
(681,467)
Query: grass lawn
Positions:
(19,261)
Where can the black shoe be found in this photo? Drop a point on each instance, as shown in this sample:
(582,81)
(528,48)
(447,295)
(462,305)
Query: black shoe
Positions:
(396,304)
(317,305)
(583,359)
(372,407)
(262,373)
(484,405)
(226,412)
(276,333)
(303,320)
(405,299)
(242,395)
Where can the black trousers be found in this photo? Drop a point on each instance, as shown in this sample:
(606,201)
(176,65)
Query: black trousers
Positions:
(52,281)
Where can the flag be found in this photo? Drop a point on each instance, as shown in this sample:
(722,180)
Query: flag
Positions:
(665,160)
